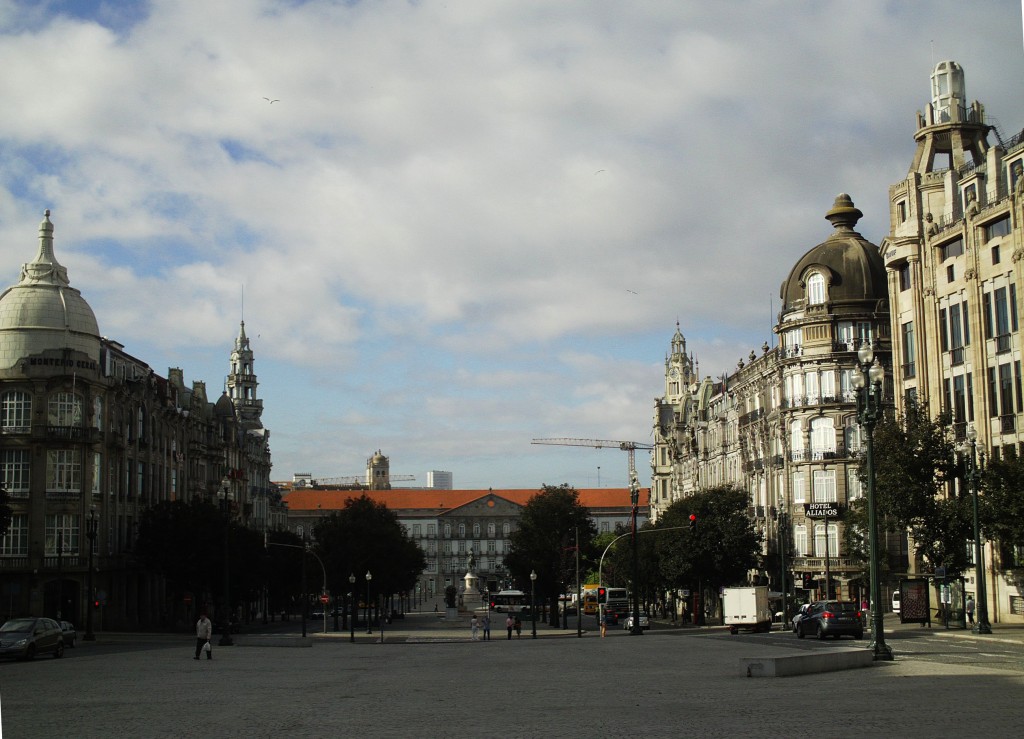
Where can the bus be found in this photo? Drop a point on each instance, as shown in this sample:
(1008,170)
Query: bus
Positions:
(590,599)
(509,601)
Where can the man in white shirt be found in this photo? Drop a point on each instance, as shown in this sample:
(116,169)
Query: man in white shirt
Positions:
(204,630)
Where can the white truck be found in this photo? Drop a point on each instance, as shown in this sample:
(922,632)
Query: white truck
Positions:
(746,608)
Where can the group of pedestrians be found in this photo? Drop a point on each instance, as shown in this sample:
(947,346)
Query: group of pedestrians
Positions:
(476,625)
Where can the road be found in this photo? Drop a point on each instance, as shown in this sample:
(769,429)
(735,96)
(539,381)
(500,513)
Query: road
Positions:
(429,679)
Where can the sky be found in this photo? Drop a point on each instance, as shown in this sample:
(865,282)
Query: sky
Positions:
(455,226)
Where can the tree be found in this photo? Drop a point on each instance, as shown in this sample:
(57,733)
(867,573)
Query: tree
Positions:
(183,541)
(366,537)
(915,465)
(718,550)
(544,539)
(1001,508)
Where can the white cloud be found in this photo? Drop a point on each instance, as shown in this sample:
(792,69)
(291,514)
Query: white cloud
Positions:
(463,224)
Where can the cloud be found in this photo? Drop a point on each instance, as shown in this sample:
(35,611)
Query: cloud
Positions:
(438,226)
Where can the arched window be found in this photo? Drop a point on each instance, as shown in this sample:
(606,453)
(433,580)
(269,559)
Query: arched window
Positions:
(476,531)
(447,531)
(506,529)
(823,438)
(462,531)
(796,439)
(490,531)
(816,289)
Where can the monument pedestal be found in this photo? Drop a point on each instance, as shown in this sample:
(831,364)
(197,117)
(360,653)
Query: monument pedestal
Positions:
(471,598)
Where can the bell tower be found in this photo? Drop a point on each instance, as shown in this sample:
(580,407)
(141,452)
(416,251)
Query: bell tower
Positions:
(242,383)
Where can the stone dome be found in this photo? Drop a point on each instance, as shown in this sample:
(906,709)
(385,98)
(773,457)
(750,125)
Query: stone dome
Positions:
(852,266)
(43,312)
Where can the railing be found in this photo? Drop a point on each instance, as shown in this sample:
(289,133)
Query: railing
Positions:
(13,563)
(67,560)
(818,563)
(63,494)
(16,430)
(72,433)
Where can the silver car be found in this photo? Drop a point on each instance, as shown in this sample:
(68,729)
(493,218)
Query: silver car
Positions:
(24,638)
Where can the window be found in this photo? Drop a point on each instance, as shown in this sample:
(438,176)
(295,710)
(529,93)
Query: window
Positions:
(854,489)
(61,533)
(14,543)
(796,439)
(823,438)
(800,540)
(959,405)
(995,254)
(824,486)
(476,531)
(819,540)
(17,412)
(506,529)
(490,530)
(852,434)
(462,531)
(816,289)
(431,530)
(952,249)
(1002,315)
(811,384)
(64,409)
(997,228)
(799,488)
(904,273)
(417,531)
(909,361)
(1005,390)
(16,466)
(63,471)
(901,211)
(950,273)
(447,531)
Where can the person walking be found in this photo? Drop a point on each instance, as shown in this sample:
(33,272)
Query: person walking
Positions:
(474,625)
(204,630)
(487,626)
(519,628)
(969,609)
(509,625)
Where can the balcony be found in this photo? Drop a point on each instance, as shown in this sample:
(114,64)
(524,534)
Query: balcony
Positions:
(72,433)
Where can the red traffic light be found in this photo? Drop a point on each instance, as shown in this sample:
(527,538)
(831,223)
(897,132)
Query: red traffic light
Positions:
(693,521)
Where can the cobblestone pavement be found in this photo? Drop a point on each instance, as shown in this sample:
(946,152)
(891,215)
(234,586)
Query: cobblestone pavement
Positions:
(428,679)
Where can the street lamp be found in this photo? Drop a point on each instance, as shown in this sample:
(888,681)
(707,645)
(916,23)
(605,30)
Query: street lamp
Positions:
(634,497)
(533,601)
(225,637)
(974,471)
(90,534)
(351,602)
(368,578)
(867,381)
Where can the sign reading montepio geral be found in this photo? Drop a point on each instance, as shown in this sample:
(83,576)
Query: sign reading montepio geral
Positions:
(821,510)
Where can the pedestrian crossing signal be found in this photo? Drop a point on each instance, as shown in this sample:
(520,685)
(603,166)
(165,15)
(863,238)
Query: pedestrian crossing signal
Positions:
(602,595)
(693,522)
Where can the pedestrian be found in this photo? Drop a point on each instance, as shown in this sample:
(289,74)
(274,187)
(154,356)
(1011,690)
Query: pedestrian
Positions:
(969,608)
(435,608)
(487,626)
(509,624)
(204,630)
(474,626)
(519,628)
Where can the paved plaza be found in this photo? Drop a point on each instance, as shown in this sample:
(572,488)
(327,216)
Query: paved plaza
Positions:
(428,679)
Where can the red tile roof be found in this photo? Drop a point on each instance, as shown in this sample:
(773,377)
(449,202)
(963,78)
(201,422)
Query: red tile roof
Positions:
(307,499)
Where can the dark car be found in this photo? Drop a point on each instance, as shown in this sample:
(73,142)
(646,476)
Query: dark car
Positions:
(24,638)
(70,635)
(801,612)
(832,618)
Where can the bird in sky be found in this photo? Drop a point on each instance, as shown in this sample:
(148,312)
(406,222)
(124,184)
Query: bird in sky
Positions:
(599,171)
(632,291)
(271,101)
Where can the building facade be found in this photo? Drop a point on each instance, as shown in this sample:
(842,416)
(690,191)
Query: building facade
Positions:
(91,436)
(448,524)
(782,425)
(953,257)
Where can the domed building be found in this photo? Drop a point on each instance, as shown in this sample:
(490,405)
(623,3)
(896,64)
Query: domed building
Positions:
(90,437)
(782,425)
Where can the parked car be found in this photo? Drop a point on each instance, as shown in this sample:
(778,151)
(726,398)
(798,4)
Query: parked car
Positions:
(24,638)
(800,613)
(68,632)
(645,623)
(832,618)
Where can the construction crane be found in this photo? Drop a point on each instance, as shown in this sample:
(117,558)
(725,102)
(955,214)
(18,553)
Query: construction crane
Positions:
(626,446)
(358,479)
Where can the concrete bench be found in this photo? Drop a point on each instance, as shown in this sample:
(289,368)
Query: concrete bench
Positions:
(806,663)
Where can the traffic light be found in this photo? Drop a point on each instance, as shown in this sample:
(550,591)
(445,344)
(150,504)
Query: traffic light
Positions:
(602,595)
(96,603)
(693,522)
(808,581)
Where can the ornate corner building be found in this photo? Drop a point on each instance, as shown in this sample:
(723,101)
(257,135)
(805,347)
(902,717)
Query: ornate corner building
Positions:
(783,424)
(955,280)
(938,301)
(91,436)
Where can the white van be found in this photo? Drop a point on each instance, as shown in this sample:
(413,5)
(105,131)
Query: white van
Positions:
(896,601)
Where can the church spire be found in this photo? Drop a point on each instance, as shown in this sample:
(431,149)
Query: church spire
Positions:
(242,383)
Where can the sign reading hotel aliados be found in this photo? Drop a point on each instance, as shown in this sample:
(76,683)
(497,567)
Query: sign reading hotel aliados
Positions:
(822,510)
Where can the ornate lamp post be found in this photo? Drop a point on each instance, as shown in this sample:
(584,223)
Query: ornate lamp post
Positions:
(225,506)
(867,379)
(974,471)
(90,534)
(369,577)
(533,601)
(351,610)
(634,497)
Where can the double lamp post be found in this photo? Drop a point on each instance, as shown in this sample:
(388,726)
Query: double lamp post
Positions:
(974,470)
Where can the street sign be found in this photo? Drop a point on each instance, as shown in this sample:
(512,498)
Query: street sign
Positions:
(325,598)
(821,510)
